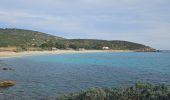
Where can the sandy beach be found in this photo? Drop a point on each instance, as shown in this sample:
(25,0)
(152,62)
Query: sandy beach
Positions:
(7,54)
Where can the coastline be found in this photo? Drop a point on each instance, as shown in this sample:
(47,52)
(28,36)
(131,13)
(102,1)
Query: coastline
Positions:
(10,54)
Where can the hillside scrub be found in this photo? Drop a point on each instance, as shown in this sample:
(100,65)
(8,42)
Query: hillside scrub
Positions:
(140,91)
(22,40)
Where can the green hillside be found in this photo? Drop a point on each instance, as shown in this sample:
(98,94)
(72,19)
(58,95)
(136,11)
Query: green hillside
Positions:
(98,44)
(33,39)
(20,37)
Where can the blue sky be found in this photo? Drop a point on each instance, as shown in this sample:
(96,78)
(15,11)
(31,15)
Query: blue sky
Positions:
(141,21)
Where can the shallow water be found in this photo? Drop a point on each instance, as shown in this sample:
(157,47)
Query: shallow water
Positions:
(47,76)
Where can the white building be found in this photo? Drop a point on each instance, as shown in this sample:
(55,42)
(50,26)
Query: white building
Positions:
(81,49)
(54,48)
(106,48)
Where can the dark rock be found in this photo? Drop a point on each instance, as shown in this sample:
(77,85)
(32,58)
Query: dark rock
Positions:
(6,68)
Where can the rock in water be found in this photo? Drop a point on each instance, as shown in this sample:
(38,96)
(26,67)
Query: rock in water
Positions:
(7,83)
(6,68)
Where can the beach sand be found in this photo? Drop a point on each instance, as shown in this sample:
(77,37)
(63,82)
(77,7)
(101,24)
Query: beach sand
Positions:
(7,54)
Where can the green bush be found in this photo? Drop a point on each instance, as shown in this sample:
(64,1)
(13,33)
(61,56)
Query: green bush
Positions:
(140,91)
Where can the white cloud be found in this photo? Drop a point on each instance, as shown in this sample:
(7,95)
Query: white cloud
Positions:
(140,21)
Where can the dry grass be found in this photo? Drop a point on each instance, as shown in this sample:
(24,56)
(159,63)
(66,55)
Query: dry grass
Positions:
(8,48)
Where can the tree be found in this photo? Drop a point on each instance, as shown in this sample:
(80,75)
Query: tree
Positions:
(60,45)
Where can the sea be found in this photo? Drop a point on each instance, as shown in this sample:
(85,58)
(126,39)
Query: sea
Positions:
(44,77)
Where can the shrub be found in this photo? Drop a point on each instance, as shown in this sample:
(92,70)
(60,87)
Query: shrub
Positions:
(140,91)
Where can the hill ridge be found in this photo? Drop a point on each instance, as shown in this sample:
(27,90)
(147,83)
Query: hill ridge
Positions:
(12,37)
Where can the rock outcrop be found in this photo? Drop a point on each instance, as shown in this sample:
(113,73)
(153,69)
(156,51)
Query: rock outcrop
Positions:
(4,84)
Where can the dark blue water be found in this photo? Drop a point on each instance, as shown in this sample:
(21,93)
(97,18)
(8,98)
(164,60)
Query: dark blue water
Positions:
(48,76)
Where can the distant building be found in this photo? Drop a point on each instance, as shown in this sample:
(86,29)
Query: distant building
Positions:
(81,49)
(54,48)
(69,49)
(105,48)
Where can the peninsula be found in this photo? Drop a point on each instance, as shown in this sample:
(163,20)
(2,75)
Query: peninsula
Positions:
(14,42)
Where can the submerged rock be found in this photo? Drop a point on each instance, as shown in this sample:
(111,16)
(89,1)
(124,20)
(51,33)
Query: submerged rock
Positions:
(6,68)
(7,83)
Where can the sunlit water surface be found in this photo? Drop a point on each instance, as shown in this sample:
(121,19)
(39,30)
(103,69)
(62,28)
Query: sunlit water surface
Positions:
(47,76)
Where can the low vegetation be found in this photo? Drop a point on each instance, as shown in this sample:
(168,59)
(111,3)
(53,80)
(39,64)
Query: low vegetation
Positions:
(27,40)
(140,91)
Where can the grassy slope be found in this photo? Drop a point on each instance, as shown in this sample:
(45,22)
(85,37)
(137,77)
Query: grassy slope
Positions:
(114,44)
(20,37)
(28,38)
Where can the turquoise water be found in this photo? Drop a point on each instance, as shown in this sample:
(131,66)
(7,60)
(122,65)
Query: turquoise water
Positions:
(47,76)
